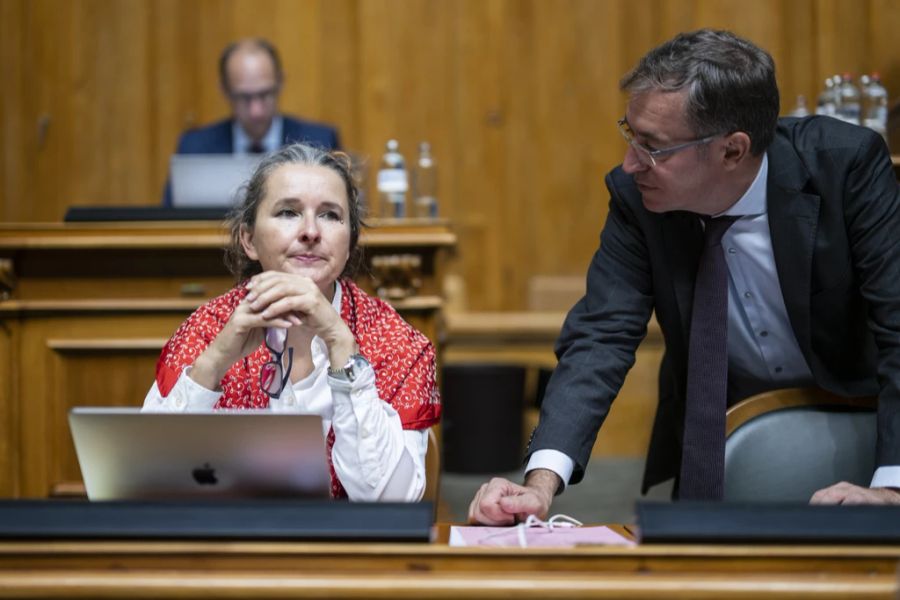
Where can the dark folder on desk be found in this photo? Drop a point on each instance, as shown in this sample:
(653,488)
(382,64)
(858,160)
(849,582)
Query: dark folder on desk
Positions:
(722,522)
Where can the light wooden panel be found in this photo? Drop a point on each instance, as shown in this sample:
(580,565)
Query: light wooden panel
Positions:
(517,97)
(83,374)
(9,430)
(61,376)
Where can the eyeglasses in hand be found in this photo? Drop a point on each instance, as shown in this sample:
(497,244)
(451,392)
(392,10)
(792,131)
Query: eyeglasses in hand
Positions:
(272,375)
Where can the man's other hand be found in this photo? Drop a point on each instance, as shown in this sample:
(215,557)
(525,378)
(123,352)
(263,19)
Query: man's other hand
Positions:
(502,502)
(847,493)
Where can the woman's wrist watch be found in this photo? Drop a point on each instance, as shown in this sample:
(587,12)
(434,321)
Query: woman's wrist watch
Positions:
(351,371)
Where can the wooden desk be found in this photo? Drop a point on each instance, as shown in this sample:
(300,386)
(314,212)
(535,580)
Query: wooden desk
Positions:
(346,570)
(85,309)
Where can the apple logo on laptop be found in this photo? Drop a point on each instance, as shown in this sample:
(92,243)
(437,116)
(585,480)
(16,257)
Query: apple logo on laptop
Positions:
(205,475)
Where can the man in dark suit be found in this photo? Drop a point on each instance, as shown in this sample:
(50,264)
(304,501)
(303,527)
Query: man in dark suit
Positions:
(251,78)
(813,269)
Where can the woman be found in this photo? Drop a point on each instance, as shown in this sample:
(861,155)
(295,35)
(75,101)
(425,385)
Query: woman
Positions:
(297,335)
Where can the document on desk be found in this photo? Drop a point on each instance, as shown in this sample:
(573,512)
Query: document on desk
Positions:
(537,536)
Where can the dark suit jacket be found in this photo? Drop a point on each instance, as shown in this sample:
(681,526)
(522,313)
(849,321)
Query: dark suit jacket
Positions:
(216,139)
(834,216)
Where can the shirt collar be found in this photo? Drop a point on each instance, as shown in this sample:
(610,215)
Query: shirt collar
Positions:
(753,202)
(271,141)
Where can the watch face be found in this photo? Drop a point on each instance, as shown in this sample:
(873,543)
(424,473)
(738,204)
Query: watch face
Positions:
(355,366)
(350,371)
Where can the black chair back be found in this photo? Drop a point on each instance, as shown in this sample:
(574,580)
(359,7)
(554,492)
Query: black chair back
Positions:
(482,420)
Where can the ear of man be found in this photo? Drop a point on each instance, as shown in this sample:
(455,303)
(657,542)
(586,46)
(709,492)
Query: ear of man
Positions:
(736,149)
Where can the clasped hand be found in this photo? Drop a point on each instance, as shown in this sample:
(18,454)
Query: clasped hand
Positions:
(274,299)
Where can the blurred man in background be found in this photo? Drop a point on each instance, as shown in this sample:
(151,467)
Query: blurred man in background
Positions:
(251,79)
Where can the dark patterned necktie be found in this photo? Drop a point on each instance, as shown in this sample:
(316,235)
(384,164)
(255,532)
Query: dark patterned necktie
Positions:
(256,148)
(703,448)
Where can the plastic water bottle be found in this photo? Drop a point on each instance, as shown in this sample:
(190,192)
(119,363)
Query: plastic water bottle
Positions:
(875,105)
(849,109)
(392,182)
(800,110)
(425,184)
(825,105)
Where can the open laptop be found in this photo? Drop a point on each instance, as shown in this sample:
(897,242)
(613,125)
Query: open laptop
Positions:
(209,180)
(125,454)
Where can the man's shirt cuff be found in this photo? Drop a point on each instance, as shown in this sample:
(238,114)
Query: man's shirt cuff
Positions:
(886,477)
(552,460)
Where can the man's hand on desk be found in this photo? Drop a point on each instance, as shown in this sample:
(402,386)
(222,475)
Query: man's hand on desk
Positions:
(847,493)
(502,502)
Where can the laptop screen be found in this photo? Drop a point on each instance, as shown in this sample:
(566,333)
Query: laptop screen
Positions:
(125,454)
(209,180)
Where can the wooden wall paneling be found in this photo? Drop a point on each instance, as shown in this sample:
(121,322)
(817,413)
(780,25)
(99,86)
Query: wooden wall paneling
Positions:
(214,26)
(328,72)
(578,103)
(406,92)
(304,51)
(9,408)
(378,121)
(525,155)
(35,403)
(842,35)
(92,360)
(43,130)
(429,88)
(174,85)
(306,46)
(795,55)
(673,17)
(884,17)
(91,372)
(478,148)
(110,88)
(12,50)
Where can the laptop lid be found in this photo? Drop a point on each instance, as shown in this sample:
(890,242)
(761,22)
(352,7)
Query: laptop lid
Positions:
(125,454)
(209,180)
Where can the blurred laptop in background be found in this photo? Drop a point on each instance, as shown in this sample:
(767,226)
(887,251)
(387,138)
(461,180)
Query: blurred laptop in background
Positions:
(209,180)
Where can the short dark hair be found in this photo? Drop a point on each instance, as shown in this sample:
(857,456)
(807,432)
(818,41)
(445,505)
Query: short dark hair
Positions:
(730,81)
(249,43)
(244,214)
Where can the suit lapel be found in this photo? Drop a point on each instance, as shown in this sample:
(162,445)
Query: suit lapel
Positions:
(793,218)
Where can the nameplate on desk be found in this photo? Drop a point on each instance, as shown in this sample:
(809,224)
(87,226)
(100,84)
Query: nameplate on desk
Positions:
(235,520)
(724,522)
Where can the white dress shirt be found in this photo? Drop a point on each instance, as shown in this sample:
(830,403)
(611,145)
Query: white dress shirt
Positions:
(373,456)
(241,142)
